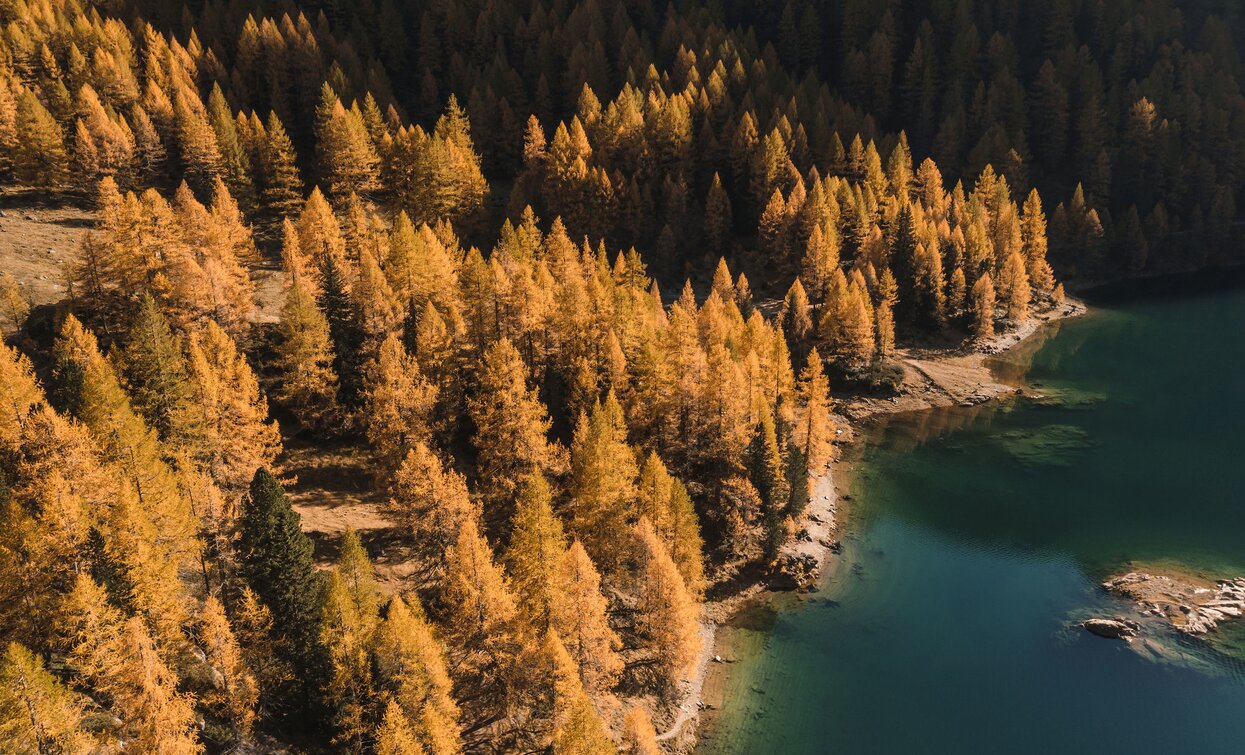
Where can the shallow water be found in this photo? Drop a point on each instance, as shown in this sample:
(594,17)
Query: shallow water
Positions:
(979,536)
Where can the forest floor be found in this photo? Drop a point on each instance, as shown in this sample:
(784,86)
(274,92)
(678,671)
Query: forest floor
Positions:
(36,240)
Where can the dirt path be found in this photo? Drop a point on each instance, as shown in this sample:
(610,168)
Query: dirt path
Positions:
(689,707)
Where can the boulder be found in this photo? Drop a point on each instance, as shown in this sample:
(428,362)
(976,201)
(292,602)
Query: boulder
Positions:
(795,571)
(1112,629)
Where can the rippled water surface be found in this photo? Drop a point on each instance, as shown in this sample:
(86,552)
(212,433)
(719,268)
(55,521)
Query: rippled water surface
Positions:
(979,537)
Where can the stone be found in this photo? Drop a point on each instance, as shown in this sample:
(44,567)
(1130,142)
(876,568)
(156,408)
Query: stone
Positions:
(795,571)
(1111,629)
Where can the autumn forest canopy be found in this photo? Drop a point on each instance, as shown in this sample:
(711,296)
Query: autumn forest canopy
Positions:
(577,277)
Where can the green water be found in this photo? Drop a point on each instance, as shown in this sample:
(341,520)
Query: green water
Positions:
(979,536)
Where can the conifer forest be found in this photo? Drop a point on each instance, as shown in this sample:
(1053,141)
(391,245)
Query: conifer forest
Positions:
(574,286)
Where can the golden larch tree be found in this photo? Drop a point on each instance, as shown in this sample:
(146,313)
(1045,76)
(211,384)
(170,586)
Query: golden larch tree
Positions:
(394,735)
(350,617)
(87,388)
(982,305)
(399,404)
(580,617)
(479,625)
(38,714)
(537,542)
(235,693)
(577,728)
(308,385)
(815,429)
(411,669)
(231,435)
(511,430)
(638,735)
(432,501)
(603,474)
(668,617)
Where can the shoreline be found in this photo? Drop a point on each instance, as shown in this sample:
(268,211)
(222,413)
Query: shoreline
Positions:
(933,378)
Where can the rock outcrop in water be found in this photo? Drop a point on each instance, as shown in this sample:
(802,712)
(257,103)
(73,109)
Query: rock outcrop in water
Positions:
(1112,629)
(1190,606)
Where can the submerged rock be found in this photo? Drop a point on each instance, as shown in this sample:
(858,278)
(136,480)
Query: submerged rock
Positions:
(1112,629)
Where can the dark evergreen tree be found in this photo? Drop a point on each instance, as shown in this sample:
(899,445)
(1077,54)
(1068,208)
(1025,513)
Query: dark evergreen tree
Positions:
(344,331)
(277,565)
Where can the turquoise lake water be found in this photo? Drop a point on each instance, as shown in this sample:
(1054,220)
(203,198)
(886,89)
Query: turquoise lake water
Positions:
(978,537)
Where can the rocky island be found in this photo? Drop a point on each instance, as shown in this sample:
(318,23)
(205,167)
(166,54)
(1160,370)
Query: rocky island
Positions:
(1189,604)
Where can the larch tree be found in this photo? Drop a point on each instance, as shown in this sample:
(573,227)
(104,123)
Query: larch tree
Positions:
(38,714)
(854,344)
(511,430)
(667,617)
(394,735)
(54,483)
(480,626)
(638,735)
(144,570)
(85,386)
(431,500)
(602,487)
(684,540)
(282,190)
(1033,245)
(577,728)
(821,259)
(410,667)
(537,542)
(200,152)
(208,280)
(957,294)
(41,157)
(347,158)
(349,619)
(884,324)
(253,628)
(13,304)
(159,718)
(1014,288)
(796,315)
(231,435)
(399,404)
(235,164)
(579,615)
(118,658)
(103,145)
(815,429)
(982,306)
(664,500)
(235,693)
(376,310)
(319,233)
(718,222)
(308,385)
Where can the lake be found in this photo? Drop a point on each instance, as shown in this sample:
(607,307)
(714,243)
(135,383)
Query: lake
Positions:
(977,538)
